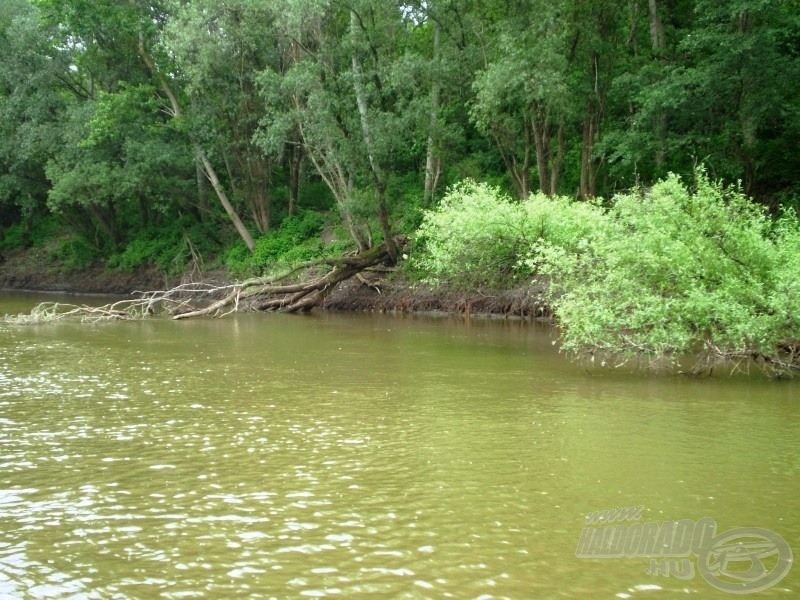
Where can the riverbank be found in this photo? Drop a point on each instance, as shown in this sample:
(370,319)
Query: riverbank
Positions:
(34,270)
(373,292)
(397,295)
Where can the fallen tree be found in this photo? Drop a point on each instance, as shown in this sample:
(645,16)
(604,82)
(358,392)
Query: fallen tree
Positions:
(193,299)
(269,294)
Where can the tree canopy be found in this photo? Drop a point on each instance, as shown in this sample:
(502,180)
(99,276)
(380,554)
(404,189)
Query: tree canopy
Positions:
(220,120)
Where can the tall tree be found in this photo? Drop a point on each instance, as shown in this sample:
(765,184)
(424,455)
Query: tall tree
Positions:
(117,42)
(355,94)
(34,93)
(521,94)
(220,48)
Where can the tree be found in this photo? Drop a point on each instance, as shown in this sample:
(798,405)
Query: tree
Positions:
(220,49)
(521,94)
(741,56)
(354,99)
(33,98)
(115,42)
(719,84)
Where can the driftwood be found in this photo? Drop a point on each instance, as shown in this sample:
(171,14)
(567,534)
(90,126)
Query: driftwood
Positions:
(268,294)
(191,299)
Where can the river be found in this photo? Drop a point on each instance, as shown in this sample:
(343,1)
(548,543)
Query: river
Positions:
(367,456)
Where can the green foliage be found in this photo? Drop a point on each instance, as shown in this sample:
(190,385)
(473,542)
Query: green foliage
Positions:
(478,236)
(237,259)
(14,238)
(44,230)
(169,248)
(408,200)
(296,240)
(660,273)
(671,271)
(283,242)
(75,253)
(315,195)
(38,234)
(349,101)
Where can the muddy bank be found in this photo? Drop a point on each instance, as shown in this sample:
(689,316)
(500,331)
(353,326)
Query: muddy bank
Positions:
(34,270)
(371,292)
(397,295)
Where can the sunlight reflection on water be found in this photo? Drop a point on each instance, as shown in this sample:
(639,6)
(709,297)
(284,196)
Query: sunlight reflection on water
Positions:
(356,457)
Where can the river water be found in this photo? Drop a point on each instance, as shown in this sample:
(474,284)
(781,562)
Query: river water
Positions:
(358,456)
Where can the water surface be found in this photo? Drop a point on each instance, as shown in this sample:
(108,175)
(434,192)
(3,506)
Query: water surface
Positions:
(362,456)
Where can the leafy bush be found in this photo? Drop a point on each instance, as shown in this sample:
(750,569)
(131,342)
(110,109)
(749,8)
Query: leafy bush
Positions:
(75,253)
(278,243)
(13,238)
(237,259)
(45,230)
(169,248)
(293,241)
(473,238)
(149,249)
(673,271)
(478,236)
(40,232)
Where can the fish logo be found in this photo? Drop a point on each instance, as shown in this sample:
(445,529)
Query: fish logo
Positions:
(745,560)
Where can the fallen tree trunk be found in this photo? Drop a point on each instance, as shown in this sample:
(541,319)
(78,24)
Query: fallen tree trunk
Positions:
(261,293)
(266,295)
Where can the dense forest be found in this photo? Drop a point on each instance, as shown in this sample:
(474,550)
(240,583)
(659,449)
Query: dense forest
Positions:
(165,130)
(636,160)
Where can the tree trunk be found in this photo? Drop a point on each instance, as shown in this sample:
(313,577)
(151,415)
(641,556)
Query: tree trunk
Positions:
(203,208)
(335,176)
(557,164)
(520,175)
(587,179)
(106,221)
(295,162)
(258,194)
(541,138)
(659,45)
(657,37)
(265,295)
(144,211)
(633,36)
(262,207)
(199,152)
(432,158)
(223,198)
(377,172)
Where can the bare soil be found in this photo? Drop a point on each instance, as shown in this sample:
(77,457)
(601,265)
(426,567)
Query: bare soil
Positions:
(378,294)
(34,270)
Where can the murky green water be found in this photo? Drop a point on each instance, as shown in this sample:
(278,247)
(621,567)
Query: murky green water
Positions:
(362,456)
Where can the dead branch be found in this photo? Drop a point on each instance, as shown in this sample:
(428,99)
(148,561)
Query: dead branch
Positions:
(191,299)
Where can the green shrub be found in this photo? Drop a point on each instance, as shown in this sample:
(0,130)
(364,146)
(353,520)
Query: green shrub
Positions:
(305,252)
(295,240)
(14,238)
(284,241)
(473,238)
(478,236)
(673,271)
(315,196)
(75,253)
(39,233)
(237,259)
(45,230)
(169,248)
